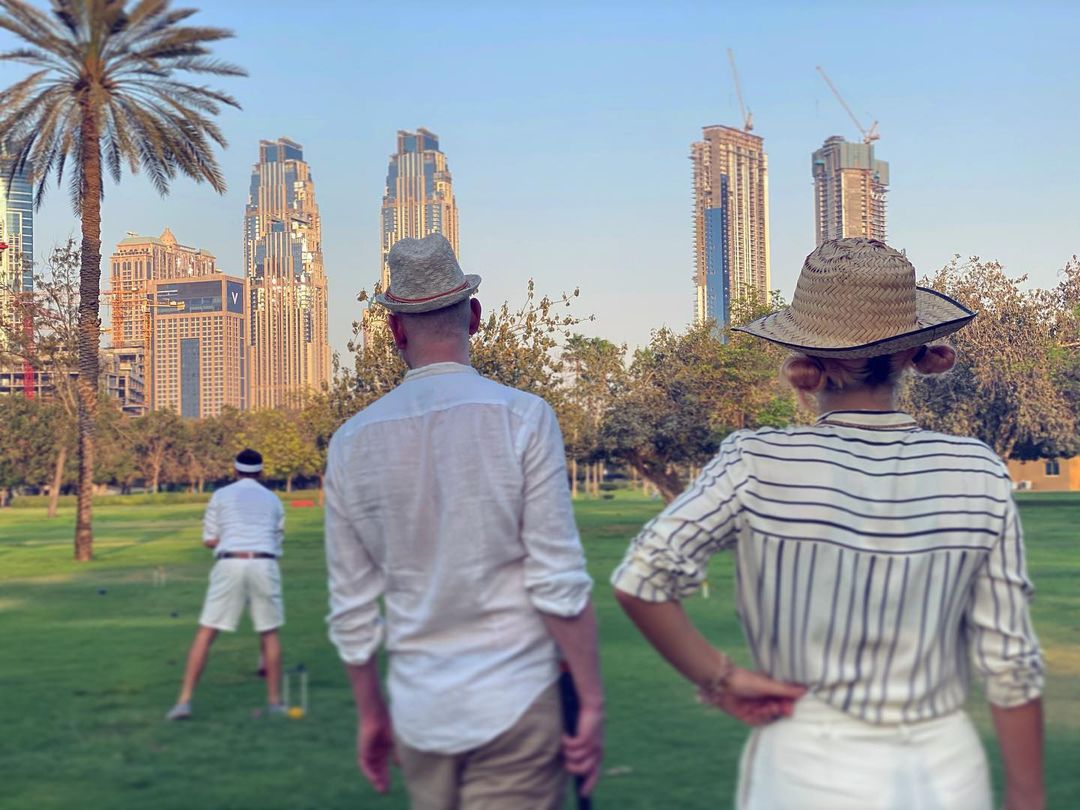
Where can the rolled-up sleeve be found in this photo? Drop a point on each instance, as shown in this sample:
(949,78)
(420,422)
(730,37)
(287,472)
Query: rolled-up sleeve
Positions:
(555,574)
(1003,645)
(668,560)
(211,525)
(356,583)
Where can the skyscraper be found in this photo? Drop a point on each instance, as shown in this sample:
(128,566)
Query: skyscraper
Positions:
(16,265)
(136,262)
(849,190)
(731,221)
(286,281)
(143,272)
(200,355)
(419,196)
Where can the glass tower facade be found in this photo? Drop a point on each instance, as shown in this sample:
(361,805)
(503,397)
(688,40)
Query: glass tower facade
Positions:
(17,232)
(290,349)
(419,196)
(16,274)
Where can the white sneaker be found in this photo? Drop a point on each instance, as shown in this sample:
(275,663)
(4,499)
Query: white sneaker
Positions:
(181,711)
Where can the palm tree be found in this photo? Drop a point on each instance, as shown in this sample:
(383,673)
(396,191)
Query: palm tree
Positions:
(105,89)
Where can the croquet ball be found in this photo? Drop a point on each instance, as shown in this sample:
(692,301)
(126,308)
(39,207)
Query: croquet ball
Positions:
(296,712)
(102,591)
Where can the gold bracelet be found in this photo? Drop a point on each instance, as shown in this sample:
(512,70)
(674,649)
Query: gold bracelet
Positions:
(712,691)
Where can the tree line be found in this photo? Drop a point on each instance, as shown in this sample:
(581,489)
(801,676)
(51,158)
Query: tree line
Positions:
(657,412)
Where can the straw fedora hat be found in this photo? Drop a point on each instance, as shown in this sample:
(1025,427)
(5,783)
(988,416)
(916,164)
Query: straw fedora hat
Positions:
(425,276)
(857,297)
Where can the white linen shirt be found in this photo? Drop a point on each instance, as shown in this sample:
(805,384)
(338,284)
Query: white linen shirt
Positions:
(448,498)
(245,516)
(875,562)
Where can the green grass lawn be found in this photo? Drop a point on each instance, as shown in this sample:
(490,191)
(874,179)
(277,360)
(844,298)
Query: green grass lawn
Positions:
(91,657)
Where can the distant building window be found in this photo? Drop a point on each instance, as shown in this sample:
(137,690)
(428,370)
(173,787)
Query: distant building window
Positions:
(1053,468)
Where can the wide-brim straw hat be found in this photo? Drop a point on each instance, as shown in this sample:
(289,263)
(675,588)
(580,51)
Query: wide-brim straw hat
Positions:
(857,297)
(425,276)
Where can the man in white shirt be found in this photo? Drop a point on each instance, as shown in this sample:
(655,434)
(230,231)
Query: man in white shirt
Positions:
(448,499)
(244,525)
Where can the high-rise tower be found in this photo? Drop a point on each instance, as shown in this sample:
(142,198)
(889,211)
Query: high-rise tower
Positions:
(144,359)
(284,265)
(731,221)
(137,261)
(419,196)
(16,269)
(849,190)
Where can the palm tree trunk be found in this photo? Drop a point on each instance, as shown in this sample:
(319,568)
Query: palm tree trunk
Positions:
(89,325)
(58,480)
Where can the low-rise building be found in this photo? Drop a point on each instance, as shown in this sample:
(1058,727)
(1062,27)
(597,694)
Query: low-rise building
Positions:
(1047,475)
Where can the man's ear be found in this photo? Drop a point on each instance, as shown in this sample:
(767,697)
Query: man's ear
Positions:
(474,318)
(397,329)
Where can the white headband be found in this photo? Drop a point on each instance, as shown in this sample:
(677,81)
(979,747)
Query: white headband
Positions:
(248,468)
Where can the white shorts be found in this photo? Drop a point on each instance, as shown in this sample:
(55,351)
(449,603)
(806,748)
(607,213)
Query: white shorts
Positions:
(823,759)
(235,584)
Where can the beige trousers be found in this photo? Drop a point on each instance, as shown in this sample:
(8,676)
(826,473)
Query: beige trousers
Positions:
(521,769)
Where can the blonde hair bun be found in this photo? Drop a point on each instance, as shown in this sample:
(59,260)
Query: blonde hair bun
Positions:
(934,359)
(804,374)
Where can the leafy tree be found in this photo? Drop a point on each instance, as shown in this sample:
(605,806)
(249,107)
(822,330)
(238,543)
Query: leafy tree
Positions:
(661,418)
(107,87)
(594,370)
(377,368)
(1011,385)
(158,439)
(276,434)
(319,418)
(46,337)
(517,347)
(25,442)
(684,392)
(217,441)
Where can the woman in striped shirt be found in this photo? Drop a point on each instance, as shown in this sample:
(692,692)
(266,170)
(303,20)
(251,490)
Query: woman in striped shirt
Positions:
(876,564)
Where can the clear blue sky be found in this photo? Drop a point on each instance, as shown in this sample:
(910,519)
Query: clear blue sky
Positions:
(568,126)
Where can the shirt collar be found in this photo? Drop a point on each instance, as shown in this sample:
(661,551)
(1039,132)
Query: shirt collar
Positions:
(869,420)
(433,369)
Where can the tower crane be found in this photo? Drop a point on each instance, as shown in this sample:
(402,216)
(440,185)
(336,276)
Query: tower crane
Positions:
(869,135)
(747,115)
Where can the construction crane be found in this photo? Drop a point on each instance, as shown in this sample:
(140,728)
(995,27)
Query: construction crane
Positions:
(747,115)
(868,135)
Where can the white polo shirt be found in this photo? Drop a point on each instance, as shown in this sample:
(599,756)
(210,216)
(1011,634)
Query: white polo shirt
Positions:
(245,516)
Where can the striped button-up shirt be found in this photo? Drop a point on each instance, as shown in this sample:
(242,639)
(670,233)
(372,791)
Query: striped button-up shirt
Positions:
(875,562)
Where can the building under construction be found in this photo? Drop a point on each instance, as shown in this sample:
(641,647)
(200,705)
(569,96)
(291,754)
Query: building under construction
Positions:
(731,221)
(849,183)
(849,190)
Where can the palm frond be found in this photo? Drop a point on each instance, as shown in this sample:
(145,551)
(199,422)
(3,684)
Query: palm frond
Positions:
(30,56)
(117,67)
(215,67)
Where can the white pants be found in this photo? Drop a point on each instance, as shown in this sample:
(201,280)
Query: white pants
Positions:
(236,584)
(823,759)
